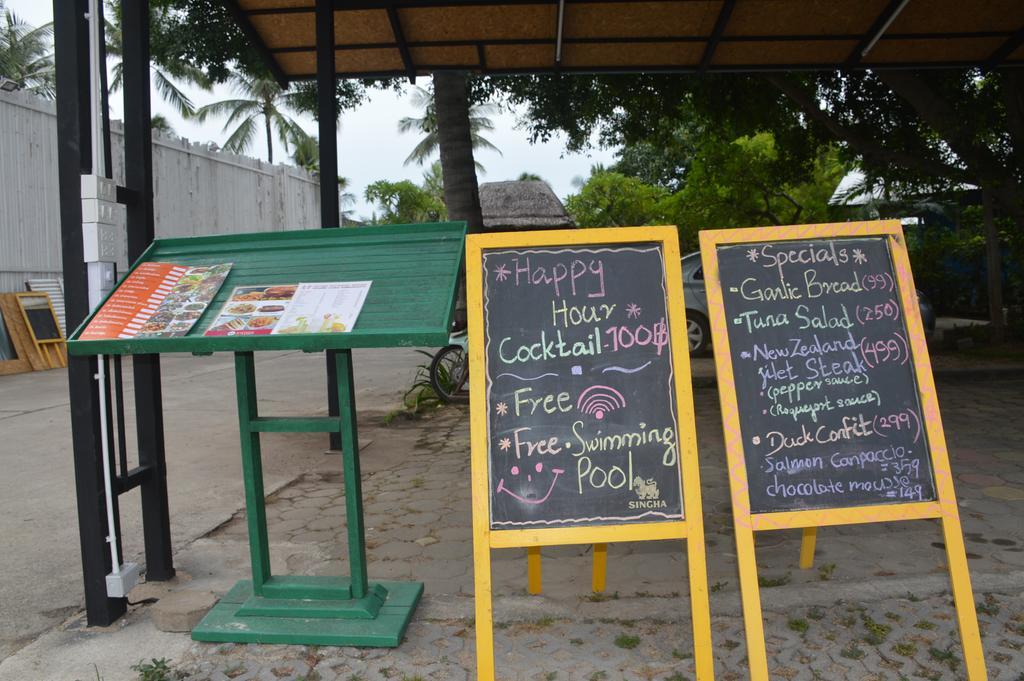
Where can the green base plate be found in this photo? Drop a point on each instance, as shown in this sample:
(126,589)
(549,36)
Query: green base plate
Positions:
(224,624)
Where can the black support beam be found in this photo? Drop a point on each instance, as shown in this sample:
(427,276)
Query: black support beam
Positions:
(1006,49)
(327,120)
(644,40)
(403,46)
(873,34)
(327,114)
(242,18)
(716,34)
(138,158)
(74,146)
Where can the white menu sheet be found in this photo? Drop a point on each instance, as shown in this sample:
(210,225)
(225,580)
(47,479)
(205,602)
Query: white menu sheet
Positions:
(326,307)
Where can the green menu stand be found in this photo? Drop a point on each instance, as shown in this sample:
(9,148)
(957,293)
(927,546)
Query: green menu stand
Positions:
(414,270)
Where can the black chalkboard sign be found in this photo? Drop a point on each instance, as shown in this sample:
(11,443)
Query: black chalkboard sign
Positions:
(581,408)
(40,316)
(824,376)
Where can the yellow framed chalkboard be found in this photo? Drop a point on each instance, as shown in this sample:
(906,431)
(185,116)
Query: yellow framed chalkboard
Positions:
(582,427)
(43,327)
(828,403)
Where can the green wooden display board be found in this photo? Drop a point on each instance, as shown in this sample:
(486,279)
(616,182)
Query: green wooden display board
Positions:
(414,270)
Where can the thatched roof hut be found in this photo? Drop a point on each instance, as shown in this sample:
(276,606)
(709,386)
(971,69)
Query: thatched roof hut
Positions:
(521,205)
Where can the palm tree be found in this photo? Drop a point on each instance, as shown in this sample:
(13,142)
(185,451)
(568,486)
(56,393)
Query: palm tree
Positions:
(163,76)
(260,96)
(433,181)
(423,98)
(26,54)
(455,140)
(159,123)
(306,155)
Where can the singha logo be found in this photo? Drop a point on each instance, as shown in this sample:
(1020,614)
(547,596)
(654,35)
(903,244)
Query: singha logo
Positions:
(647,490)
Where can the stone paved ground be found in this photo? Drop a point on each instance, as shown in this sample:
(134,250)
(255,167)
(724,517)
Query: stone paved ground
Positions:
(898,639)
(418,514)
(418,526)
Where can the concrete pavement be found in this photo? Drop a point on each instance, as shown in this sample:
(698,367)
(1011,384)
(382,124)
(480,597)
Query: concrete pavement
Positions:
(40,563)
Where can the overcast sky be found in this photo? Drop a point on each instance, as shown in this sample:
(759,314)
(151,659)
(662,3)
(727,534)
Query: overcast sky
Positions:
(370,147)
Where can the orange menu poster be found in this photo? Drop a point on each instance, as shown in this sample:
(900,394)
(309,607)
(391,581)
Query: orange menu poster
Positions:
(157,299)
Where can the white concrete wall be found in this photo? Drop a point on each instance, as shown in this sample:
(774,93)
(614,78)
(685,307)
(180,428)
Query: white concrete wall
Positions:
(196,191)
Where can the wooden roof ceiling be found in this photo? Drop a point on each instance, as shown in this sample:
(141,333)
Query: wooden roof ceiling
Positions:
(409,37)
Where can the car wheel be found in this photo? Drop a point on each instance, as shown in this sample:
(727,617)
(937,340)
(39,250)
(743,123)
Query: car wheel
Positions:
(698,333)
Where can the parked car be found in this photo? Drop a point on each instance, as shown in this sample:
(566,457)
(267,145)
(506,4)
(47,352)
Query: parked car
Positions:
(695,299)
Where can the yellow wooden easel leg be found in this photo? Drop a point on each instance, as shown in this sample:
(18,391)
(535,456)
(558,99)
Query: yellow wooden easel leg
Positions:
(533,570)
(482,596)
(807,544)
(600,570)
(963,596)
(700,605)
(750,592)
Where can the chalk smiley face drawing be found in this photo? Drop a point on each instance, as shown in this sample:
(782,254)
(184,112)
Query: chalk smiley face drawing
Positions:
(528,495)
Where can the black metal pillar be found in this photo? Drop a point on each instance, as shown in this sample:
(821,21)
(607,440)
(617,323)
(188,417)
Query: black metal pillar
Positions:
(327,115)
(149,420)
(71,38)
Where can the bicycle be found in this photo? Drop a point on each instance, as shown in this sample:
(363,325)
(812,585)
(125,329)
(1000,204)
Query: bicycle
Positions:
(449,369)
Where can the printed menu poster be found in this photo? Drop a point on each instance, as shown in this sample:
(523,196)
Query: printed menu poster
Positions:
(327,307)
(252,310)
(157,300)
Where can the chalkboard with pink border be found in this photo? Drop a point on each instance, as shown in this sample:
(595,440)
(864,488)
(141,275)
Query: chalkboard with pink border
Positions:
(581,404)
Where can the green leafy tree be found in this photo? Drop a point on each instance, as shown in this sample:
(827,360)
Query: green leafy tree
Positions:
(166,71)
(204,35)
(610,199)
(260,97)
(736,184)
(427,125)
(728,184)
(909,131)
(403,202)
(26,54)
